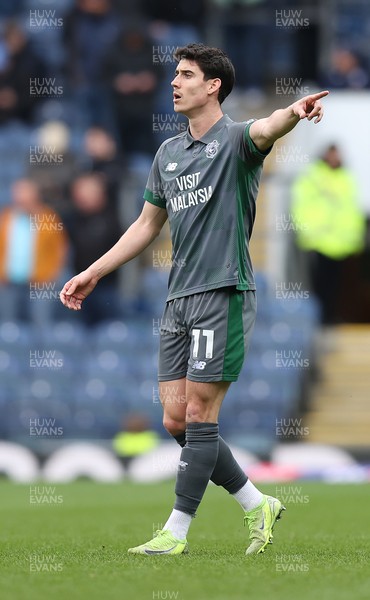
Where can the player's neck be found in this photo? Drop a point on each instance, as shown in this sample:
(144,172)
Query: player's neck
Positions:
(201,123)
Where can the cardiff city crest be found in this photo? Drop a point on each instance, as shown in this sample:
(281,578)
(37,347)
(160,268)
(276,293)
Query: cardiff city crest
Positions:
(211,149)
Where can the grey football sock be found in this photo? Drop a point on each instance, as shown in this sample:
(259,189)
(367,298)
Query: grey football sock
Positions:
(197,461)
(227,473)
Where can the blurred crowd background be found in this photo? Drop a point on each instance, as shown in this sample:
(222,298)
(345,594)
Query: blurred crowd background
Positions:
(85,101)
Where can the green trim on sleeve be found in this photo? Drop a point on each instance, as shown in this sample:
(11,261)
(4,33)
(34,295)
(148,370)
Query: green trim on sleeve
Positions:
(154,199)
(252,146)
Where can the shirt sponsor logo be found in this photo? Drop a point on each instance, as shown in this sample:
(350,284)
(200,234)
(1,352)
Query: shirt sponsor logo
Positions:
(191,194)
(171,167)
(211,149)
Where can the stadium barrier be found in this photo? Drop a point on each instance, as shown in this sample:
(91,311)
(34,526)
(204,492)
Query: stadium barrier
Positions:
(75,460)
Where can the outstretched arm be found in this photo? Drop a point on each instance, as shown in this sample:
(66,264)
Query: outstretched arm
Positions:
(265,132)
(138,236)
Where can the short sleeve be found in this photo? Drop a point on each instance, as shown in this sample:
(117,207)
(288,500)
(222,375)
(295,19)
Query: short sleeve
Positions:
(251,152)
(244,145)
(154,192)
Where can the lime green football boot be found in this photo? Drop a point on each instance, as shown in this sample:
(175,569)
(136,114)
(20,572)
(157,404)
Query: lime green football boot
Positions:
(162,543)
(261,522)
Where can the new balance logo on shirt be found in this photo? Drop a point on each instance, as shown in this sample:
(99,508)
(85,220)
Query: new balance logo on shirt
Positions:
(171,167)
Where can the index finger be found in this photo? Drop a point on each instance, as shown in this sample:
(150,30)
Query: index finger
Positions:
(319,95)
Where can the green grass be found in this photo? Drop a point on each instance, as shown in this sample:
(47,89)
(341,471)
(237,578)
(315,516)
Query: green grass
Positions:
(321,547)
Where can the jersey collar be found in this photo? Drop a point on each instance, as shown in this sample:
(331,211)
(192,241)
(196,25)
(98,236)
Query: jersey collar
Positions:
(208,136)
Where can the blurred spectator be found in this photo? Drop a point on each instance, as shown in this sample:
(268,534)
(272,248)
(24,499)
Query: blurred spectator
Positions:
(33,249)
(346,71)
(135,439)
(90,30)
(172,24)
(247,35)
(133,79)
(18,66)
(101,156)
(94,229)
(267,40)
(329,225)
(52,164)
(14,156)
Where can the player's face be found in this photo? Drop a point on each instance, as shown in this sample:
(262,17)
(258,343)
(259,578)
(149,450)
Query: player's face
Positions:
(190,90)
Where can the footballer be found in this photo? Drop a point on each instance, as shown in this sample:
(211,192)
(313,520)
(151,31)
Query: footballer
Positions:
(205,182)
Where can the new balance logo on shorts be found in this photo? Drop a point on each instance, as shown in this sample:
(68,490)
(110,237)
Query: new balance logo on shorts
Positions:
(182,465)
(199,364)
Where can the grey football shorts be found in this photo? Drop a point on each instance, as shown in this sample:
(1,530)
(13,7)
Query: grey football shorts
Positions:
(205,336)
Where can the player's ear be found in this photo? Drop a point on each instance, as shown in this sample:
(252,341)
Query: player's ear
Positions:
(214,85)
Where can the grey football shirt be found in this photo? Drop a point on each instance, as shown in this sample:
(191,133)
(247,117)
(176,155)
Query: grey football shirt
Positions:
(209,189)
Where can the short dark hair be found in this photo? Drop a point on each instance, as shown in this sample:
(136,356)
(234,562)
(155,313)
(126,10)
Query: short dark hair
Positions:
(213,62)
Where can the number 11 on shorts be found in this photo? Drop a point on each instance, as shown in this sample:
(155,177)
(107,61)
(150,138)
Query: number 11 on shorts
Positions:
(209,334)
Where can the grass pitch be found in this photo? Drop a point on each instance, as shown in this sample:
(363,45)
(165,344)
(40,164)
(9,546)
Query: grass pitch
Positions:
(73,545)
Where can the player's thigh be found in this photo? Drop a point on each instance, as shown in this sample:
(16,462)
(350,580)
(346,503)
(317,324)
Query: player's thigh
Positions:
(204,400)
(173,343)
(221,325)
(173,399)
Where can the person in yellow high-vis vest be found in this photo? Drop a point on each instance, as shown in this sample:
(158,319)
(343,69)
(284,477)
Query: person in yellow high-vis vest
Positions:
(135,439)
(329,224)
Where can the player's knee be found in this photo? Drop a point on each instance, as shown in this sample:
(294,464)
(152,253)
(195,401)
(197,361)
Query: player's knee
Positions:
(173,427)
(197,412)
